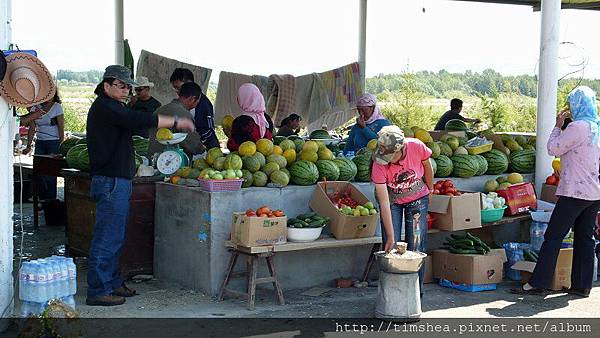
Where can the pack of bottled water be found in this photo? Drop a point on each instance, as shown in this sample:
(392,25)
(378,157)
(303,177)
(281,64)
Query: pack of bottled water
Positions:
(46,279)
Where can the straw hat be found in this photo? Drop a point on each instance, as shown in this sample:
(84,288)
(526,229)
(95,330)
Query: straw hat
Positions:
(27,81)
(143,81)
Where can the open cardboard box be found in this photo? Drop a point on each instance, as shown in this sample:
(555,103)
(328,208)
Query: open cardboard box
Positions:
(343,226)
(428,272)
(456,212)
(469,269)
(562,272)
(258,231)
(549,193)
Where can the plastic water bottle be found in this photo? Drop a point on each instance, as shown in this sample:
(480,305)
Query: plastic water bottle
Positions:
(72,276)
(536,234)
(41,293)
(62,276)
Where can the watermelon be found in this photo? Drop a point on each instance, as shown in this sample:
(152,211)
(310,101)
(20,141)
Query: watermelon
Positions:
(363,167)
(140,145)
(347,169)
(248,178)
(497,162)
(259,179)
(304,173)
(280,178)
(483,165)
(67,144)
(280,160)
(523,161)
(364,151)
(456,125)
(299,144)
(444,148)
(328,170)
(278,139)
(78,157)
(435,149)
(464,166)
(319,134)
(251,163)
(233,161)
(433,165)
(444,166)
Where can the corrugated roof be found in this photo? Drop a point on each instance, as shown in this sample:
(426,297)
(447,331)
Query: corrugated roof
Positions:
(566,4)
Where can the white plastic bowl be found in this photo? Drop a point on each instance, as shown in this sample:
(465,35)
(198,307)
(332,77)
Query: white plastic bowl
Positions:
(303,234)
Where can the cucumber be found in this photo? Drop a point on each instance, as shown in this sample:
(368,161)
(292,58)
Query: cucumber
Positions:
(317,218)
(462,241)
(315,224)
(292,221)
(307,215)
(463,251)
(464,247)
(476,239)
(455,236)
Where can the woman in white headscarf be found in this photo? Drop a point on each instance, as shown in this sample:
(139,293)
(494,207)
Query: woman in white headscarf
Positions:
(368,123)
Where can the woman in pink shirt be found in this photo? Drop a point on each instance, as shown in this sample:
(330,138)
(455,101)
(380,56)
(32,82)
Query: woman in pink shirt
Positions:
(579,195)
(403,179)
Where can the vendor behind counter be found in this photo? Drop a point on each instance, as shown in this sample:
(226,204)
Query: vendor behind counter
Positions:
(368,123)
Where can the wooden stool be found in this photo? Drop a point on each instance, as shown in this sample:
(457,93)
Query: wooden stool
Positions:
(250,273)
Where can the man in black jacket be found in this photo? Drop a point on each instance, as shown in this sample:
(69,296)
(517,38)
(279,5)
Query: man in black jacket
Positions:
(204,117)
(453,114)
(110,125)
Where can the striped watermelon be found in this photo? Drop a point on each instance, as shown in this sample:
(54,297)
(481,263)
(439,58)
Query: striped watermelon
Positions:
(363,167)
(433,165)
(523,161)
(304,173)
(347,169)
(78,157)
(444,166)
(464,166)
(328,170)
(456,125)
(67,144)
(140,145)
(497,162)
(483,165)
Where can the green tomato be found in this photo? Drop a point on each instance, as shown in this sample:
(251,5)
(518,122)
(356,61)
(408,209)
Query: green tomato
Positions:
(373,212)
(356,212)
(369,205)
(364,212)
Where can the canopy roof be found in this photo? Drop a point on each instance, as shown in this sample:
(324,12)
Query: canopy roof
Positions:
(566,4)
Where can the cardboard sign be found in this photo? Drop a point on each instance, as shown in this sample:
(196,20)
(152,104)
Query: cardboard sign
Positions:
(456,212)
(258,231)
(343,226)
(520,198)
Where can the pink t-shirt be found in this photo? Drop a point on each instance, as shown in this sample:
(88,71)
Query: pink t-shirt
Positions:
(405,173)
(579,161)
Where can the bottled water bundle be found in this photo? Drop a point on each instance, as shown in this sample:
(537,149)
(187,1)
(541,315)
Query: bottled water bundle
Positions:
(45,279)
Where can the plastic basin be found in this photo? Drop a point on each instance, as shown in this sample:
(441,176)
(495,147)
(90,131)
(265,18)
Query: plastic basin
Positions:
(303,234)
(492,215)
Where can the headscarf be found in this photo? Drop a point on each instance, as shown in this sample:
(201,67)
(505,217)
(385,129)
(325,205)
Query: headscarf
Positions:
(369,100)
(252,103)
(582,104)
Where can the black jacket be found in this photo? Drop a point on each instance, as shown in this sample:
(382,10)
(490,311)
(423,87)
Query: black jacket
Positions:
(110,125)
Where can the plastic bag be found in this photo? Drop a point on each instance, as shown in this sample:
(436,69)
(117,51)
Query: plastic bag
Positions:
(514,253)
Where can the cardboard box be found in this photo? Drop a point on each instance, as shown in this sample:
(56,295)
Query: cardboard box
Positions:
(258,231)
(343,226)
(437,134)
(428,264)
(549,193)
(562,272)
(469,269)
(456,212)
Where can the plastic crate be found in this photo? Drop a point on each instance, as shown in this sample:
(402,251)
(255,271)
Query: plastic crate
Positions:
(492,215)
(220,185)
(480,149)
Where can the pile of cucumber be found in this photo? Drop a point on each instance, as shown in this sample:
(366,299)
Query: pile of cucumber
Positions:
(466,244)
(530,255)
(308,220)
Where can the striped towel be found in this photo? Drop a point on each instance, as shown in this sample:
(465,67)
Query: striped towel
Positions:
(282,99)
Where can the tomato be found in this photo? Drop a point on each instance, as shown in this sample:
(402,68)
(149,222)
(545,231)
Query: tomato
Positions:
(250,212)
(448,184)
(552,180)
(263,210)
(437,186)
(436,192)
(278,213)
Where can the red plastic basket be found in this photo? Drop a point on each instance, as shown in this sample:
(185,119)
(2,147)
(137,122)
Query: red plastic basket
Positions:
(220,185)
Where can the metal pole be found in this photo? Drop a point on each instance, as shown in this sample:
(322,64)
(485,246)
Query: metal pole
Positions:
(119,35)
(362,38)
(547,87)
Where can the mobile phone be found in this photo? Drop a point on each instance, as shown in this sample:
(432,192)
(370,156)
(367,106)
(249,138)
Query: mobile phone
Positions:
(567,121)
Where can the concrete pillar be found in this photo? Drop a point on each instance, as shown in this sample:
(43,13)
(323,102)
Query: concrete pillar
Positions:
(119,33)
(547,87)
(7,130)
(362,38)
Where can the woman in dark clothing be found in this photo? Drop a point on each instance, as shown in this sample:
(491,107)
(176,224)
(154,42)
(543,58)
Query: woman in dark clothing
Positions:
(290,125)
(253,124)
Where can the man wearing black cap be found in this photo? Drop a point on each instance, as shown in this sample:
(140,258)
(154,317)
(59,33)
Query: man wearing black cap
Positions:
(110,125)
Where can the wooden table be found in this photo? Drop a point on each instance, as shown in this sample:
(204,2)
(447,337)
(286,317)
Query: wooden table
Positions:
(48,165)
(267,252)
(502,221)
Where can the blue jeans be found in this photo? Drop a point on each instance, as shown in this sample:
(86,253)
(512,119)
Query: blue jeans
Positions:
(46,185)
(111,195)
(415,226)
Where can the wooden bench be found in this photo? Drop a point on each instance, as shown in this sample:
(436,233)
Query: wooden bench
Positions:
(268,252)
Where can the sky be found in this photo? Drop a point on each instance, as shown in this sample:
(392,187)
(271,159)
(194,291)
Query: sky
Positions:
(298,37)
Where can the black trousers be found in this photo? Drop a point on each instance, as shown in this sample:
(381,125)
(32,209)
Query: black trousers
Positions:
(581,215)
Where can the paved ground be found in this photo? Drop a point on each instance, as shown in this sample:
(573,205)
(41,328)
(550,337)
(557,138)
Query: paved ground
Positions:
(162,299)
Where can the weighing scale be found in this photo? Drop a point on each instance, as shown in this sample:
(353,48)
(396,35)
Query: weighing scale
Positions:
(173,157)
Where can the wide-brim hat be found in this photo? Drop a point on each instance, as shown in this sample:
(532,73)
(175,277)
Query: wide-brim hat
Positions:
(27,81)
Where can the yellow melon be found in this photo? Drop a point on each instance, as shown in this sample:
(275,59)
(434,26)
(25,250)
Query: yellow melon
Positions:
(310,156)
(247,148)
(264,146)
(290,156)
(277,150)
(311,146)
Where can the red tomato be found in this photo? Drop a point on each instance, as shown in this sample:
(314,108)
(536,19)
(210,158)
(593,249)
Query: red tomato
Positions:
(250,212)
(448,184)
(437,186)
(436,192)
(552,180)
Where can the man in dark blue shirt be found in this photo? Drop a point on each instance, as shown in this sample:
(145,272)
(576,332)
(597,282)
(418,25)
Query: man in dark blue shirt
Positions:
(453,114)
(204,118)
